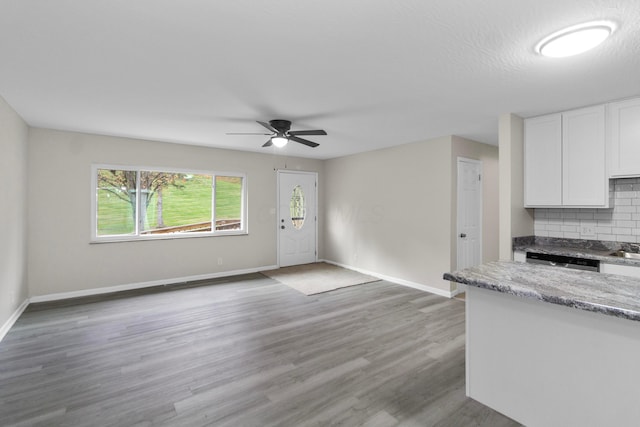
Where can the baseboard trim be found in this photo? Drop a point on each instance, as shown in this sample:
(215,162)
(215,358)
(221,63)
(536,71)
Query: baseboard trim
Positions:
(141,285)
(407,283)
(14,317)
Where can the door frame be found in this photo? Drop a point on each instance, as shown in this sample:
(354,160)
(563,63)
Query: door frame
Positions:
(458,211)
(278,216)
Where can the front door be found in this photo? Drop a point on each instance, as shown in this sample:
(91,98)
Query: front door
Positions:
(297,218)
(469,238)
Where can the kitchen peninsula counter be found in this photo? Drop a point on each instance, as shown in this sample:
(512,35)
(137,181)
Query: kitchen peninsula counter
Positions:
(609,294)
(550,346)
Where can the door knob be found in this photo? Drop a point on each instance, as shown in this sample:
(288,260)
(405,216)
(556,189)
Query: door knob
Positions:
(463,235)
(282,226)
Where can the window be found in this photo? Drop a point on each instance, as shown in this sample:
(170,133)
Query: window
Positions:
(297,207)
(136,203)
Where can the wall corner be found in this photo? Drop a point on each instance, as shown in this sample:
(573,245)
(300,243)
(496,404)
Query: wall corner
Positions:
(515,220)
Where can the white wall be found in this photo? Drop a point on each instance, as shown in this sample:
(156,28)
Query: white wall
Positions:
(393,212)
(13,212)
(61,259)
(389,211)
(515,220)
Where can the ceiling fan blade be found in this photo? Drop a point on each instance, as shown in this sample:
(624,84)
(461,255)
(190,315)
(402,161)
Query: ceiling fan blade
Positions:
(303,141)
(268,126)
(307,132)
(246,133)
(268,143)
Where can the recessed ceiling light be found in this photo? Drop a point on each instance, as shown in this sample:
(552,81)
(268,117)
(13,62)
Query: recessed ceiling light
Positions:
(574,40)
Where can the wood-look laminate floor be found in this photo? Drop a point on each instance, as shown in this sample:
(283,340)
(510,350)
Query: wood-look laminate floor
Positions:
(243,351)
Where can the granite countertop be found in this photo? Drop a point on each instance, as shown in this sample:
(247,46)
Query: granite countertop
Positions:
(610,294)
(589,249)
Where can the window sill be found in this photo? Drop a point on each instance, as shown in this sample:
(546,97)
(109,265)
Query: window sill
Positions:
(120,239)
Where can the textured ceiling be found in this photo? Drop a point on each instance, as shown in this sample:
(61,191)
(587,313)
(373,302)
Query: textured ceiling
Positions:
(371,73)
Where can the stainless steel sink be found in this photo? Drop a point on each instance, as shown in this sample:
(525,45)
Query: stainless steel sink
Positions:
(624,254)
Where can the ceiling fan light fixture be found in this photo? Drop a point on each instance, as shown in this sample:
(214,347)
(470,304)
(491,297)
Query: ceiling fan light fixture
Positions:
(279,141)
(576,39)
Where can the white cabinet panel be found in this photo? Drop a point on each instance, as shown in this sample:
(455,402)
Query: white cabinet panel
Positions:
(623,270)
(565,159)
(547,365)
(543,161)
(624,132)
(584,179)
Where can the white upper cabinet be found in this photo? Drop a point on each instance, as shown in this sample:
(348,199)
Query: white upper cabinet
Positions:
(565,159)
(624,134)
(584,166)
(543,161)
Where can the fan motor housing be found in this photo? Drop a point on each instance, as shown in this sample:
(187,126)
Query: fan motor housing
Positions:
(280,125)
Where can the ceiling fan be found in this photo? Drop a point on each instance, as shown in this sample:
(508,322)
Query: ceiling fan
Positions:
(281,135)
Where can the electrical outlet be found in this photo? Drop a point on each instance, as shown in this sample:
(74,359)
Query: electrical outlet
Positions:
(219,261)
(587,231)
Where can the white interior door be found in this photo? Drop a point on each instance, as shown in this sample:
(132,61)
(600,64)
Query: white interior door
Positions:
(297,218)
(469,236)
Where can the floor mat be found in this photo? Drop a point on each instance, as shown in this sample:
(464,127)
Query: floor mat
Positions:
(318,277)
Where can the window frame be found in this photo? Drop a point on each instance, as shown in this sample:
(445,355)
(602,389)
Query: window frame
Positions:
(95,238)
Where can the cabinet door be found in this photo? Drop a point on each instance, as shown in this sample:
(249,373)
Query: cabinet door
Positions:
(584,178)
(624,128)
(543,161)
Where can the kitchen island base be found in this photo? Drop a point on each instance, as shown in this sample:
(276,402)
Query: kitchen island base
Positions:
(551,365)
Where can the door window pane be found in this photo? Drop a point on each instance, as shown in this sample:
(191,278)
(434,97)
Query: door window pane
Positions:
(297,207)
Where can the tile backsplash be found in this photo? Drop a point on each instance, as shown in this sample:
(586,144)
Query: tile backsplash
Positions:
(620,223)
